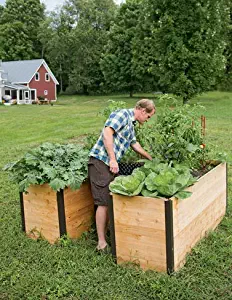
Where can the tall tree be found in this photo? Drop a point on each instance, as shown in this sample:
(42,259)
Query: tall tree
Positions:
(89,35)
(19,29)
(55,36)
(117,61)
(189,41)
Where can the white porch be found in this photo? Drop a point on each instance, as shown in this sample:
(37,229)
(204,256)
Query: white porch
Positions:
(19,94)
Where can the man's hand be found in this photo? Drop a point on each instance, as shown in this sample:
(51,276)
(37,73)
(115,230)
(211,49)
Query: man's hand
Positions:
(137,148)
(114,166)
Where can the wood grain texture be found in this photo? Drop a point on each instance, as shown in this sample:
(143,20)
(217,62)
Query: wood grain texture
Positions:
(140,231)
(140,222)
(41,216)
(41,212)
(202,212)
(79,210)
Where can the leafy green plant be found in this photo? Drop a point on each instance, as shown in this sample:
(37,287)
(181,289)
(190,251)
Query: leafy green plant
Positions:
(90,140)
(155,179)
(130,185)
(168,181)
(176,136)
(59,165)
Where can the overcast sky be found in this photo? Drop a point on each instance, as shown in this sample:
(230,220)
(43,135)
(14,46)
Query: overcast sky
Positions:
(51,4)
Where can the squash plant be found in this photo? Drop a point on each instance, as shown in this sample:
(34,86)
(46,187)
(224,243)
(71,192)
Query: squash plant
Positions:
(59,165)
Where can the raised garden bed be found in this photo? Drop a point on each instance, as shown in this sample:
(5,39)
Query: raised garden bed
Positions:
(158,233)
(55,197)
(50,214)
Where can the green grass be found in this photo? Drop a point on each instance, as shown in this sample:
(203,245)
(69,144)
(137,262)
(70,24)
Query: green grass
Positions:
(72,270)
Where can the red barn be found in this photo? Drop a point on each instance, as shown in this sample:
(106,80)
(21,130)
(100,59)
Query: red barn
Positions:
(27,80)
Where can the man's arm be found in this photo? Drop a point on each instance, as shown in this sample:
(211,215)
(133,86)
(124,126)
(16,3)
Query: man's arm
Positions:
(138,148)
(108,141)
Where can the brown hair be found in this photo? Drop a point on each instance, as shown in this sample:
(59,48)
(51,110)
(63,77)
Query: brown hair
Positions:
(147,104)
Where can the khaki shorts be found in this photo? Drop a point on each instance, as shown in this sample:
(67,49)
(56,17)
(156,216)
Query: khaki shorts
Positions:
(100,177)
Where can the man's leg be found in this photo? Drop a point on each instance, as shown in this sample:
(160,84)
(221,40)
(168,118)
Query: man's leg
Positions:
(101,223)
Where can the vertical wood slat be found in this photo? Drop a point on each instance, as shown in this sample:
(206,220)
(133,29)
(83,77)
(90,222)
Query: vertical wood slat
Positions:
(112,229)
(61,212)
(22,211)
(169,236)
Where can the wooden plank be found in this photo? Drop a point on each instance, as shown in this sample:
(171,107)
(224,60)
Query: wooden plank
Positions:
(40,210)
(208,188)
(203,211)
(140,231)
(79,210)
(195,231)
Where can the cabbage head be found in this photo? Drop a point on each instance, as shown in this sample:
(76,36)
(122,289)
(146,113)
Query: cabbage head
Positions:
(128,185)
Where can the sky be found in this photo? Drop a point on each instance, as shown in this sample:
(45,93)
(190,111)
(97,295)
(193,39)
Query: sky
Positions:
(51,4)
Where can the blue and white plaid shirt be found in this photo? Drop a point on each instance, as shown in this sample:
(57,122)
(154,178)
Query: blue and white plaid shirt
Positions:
(124,135)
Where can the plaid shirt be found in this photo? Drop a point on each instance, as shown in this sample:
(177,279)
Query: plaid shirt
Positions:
(124,135)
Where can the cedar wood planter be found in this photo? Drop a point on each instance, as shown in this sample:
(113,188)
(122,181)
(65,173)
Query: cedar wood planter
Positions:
(158,233)
(51,214)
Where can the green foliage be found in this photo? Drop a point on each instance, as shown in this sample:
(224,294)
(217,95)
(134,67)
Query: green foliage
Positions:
(184,44)
(117,61)
(176,136)
(56,164)
(128,185)
(225,81)
(19,29)
(56,38)
(155,179)
(169,180)
(1,11)
(88,36)
(90,140)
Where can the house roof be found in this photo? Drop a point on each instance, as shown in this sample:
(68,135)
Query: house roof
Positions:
(15,86)
(22,71)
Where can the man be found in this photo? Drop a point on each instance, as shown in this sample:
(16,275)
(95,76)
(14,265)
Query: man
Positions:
(117,136)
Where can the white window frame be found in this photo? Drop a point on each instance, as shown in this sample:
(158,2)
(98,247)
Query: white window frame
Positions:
(37,75)
(47,77)
(45,92)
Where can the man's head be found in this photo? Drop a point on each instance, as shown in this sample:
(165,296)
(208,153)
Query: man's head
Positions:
(144,110)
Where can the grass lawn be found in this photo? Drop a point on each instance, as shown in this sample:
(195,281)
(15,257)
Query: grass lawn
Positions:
(71,269)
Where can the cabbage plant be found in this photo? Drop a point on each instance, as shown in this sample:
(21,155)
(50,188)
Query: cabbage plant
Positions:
(155,179)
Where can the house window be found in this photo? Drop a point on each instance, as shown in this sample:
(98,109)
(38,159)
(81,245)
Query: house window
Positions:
(47,77)
(37,76)
(26,95)
(20,95)
(45,93)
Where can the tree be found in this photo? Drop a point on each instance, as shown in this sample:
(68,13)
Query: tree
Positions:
(1,11)
(17,46)
(188,42)
(19,25)
(117,61)
(89,35)
(225,82)
(55,36)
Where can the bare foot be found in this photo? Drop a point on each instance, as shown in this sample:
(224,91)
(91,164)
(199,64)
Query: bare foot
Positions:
(101,246)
